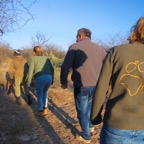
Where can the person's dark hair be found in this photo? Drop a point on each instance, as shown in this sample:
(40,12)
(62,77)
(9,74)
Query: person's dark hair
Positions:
(38,50)
(137,32)
(84,32)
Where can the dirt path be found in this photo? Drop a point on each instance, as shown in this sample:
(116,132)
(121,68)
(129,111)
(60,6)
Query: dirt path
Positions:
(18,124)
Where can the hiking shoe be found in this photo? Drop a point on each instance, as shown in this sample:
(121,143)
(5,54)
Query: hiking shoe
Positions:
(92,130)
(45,111)
(39,114)
(29,102)
(19,100)
(9,92)
(82,139)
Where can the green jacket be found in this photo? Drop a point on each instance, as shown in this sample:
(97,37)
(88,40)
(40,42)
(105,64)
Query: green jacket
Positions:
(39,65)
(123,68)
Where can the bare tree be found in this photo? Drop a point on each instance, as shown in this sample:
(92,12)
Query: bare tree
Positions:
(40,39)
(114,40)
(14,14)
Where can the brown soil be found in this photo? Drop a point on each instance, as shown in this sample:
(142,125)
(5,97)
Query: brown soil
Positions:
(19,125)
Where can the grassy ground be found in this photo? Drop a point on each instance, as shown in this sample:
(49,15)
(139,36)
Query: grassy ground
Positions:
(18,124)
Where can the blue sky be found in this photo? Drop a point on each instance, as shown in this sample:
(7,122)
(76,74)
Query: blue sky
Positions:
(59,20)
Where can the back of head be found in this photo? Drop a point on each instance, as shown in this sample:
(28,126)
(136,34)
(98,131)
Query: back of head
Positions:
(18,52)
(38,51)
(137,32)
(84,32)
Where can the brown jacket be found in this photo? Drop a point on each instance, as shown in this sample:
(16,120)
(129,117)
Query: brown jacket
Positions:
(18,67)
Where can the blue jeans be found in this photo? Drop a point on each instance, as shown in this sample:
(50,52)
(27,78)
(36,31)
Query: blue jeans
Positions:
(43,82)
(116,136)
(83,100)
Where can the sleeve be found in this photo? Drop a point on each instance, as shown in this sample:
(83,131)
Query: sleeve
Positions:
(11,69)
(51,68)
(101,90)
(31,70)
(67,64)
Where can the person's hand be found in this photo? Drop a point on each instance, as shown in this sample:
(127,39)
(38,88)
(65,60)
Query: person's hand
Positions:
(97,121)
(64,86)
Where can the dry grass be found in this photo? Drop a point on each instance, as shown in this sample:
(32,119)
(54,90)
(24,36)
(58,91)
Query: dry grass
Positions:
(4,65)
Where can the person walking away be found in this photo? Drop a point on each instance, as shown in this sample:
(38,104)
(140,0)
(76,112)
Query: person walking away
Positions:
(41,69)
(85,58)
(123,120)
(17,72)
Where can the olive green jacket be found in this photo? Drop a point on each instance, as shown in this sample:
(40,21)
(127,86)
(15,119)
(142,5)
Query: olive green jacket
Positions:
(123,68)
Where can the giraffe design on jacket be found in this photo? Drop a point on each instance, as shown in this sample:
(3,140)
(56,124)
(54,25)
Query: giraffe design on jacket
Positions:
(132,69)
